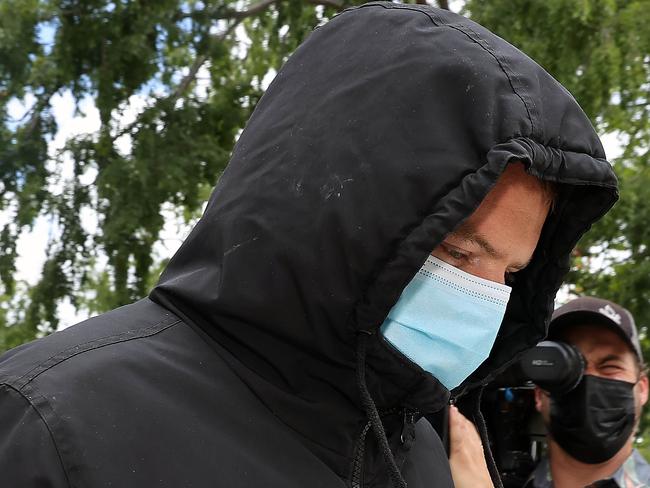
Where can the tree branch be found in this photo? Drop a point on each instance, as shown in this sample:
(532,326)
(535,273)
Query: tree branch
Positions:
(198,62)
(264,4)
(443,4)
(253,10)
(327,3)
(36,110)
(238,16)
(185,82)
(639,105)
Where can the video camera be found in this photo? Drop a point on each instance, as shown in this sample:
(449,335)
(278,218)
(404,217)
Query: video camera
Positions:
(517,432)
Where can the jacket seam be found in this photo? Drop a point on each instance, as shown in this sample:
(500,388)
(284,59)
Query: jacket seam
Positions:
(47,426)
(477,39)
(503,64)
(77,349)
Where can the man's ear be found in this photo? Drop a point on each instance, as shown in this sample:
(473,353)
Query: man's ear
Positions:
(642,386)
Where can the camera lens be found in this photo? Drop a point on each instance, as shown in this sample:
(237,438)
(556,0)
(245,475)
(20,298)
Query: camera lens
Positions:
(556,367)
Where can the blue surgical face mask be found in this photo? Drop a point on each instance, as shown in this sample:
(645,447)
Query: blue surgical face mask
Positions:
(446,320)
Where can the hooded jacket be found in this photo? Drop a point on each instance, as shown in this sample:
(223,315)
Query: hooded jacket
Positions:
(256,360)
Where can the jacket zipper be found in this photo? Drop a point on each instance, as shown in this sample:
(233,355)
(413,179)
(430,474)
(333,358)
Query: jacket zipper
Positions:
(407,437)
(408,428)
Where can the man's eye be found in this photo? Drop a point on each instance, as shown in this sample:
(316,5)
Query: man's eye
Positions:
(611,370)
(455,254)
(611,367)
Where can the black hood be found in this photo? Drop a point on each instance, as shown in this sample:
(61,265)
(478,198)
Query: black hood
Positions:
(382,133)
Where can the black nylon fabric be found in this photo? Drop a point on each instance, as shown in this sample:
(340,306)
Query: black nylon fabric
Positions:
(135,398)
(379,136)
(382,133)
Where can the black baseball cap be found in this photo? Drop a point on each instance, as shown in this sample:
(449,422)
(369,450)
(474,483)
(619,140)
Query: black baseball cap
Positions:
(592,310)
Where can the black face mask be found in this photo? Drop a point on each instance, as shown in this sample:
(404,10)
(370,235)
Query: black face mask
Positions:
(593,421)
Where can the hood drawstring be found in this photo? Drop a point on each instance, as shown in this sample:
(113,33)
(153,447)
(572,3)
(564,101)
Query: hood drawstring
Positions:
(479,421)
(375,423)
(357,465)
(373,414)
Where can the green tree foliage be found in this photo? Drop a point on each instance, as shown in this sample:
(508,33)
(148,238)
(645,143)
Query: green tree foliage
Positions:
(111,51)
(165,51)
(600,50)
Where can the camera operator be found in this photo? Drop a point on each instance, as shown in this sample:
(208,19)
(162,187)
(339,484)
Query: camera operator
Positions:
(591,428)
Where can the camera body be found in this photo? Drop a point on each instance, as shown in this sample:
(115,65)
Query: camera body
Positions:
(517,432)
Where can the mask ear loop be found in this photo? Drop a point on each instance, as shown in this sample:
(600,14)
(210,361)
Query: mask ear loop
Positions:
(372,413)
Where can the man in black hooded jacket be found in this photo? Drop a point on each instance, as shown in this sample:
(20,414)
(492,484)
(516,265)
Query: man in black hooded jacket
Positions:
(275,350)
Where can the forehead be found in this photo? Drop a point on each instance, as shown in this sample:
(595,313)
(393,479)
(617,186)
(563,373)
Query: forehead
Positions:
(509,220)
(597,340)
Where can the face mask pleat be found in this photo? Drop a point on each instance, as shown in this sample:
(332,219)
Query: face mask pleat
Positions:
(446,320)
(593,421)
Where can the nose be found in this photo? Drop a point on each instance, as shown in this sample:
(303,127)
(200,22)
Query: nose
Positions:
(590,369)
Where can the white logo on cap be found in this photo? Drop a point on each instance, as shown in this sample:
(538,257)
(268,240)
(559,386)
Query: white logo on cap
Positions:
(608,311)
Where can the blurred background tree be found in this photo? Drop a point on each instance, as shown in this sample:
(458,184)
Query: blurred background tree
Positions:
(174,81)
(189,71)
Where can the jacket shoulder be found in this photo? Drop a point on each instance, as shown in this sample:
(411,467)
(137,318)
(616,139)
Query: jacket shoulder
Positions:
(142,319)
(28,453)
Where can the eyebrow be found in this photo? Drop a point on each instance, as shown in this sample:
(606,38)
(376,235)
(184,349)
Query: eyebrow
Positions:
(609,357)
(467,232)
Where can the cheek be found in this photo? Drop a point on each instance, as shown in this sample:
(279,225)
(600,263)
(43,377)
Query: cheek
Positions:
(487,269)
